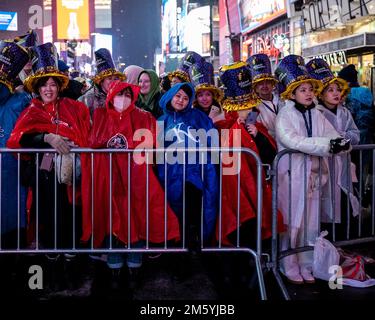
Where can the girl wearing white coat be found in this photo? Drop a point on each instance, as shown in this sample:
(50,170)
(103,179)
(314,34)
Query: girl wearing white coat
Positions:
(264,84)
(329,98)
(300,126)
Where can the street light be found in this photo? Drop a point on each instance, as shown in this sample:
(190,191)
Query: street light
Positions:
(178,17)
(119,63)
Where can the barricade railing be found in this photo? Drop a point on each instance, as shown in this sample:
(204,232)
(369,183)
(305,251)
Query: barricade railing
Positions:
(19,246)
(334,175)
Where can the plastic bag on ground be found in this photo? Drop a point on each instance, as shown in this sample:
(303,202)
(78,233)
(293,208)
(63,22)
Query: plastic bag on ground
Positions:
(325,256)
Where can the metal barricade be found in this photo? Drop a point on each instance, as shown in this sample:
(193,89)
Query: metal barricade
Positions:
(56,248)
(344,229)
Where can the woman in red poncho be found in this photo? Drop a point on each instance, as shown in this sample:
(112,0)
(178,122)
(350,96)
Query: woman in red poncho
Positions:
(123,126)
(240,120)
(51,122)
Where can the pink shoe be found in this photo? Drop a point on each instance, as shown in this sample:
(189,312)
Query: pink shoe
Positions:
(307,276)
(295,279)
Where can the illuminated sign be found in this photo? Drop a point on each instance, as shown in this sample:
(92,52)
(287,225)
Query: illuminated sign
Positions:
(73,19)
(103,41)
(8,21)
(323,14)
(275,47)
(334,58)
(257,12)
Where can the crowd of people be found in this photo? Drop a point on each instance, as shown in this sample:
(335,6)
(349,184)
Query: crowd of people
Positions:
(120,200)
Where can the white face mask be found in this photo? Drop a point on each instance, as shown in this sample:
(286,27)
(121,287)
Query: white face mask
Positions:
(118,103)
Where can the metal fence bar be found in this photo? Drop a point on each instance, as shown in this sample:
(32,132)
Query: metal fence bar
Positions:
(112,248)
(202,203)
(220,198)
(147,202)
(129,202)
(110,201)
(275,246)
(238,198)
(333,196)
(305,201)
(373,194)
(92,200)
(259,207)
(18,199)
(183,200)
(1,198)
(320,194)
(165,200)
(276,255)
(37,201)
(360,192)
(55,202)
(74,203)
(348,196)
(290,198)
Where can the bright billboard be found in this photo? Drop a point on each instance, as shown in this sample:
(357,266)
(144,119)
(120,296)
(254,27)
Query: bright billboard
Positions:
(254,13)
(8,21)
(73,19)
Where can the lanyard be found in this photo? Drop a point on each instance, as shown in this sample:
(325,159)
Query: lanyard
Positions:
(275,109)
(308,125)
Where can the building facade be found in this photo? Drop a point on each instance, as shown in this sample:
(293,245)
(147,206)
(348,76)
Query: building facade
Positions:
(256,26)
(189,26)
(340,32)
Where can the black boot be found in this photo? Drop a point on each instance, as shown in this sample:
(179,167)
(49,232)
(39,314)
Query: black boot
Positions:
(53,272)
(181,269)
(71,273)
(134,278)
(115,282)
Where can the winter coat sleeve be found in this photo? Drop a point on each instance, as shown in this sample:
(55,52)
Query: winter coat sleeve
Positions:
(292,135)
(351,130)
(34,140)
(266,151)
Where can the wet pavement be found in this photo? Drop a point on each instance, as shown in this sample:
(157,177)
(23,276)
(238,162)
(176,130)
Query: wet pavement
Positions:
(198,277)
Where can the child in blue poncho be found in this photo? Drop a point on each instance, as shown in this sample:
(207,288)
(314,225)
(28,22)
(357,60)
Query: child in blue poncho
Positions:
(177,128)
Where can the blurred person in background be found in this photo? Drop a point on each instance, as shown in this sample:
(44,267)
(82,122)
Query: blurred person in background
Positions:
(132,73)
(106,73)
(150,94)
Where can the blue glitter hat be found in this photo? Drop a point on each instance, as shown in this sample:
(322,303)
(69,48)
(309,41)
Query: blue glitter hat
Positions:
(260,68)
(45,64)
(105,66)
(12,59)
(30,39)
(292,72)
(236,79)
(202,77)
(319,70)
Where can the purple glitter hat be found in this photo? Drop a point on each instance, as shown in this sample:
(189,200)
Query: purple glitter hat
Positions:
(12,59)
(202,77)
(45,64)
(105,66)
(260,68)
(236,79)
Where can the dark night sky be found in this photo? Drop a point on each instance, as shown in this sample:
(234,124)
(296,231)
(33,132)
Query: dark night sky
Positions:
(140,24)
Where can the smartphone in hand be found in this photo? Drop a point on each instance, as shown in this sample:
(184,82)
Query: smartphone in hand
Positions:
(251,118)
